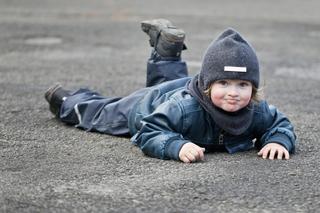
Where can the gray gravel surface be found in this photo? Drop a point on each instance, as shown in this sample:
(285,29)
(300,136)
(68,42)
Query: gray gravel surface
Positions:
(46,166)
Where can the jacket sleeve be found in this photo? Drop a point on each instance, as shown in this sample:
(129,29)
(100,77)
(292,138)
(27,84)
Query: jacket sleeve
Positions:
(160,135)
(276,129)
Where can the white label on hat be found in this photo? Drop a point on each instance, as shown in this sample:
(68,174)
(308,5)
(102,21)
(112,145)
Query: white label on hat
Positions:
(235,69)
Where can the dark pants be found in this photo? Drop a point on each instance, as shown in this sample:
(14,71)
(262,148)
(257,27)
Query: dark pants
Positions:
(90,111)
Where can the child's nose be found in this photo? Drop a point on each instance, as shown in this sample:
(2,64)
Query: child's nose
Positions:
(233,92)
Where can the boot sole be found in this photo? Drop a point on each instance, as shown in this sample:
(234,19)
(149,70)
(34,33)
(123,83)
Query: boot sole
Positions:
(154,25)
(165,31)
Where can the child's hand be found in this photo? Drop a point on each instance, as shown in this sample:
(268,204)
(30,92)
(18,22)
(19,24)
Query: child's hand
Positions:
(191,152)
(272,149)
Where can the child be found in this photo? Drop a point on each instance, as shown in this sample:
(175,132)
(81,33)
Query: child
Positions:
(179,117)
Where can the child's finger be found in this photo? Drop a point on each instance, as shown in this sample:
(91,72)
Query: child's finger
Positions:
(185,159)
(190,157)
(196,156)
(201,154)
(279,155)
(265,153)
(261,151)
(272,154)
(286,155)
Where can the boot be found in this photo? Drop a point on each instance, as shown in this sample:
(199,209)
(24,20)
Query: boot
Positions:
(167,39)
(55,96)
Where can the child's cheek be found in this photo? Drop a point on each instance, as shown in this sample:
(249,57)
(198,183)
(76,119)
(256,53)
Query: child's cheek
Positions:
(248,100)
(248,97)
(216,99)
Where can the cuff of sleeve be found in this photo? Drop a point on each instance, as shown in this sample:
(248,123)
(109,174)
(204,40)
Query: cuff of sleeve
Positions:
(283,140)
(172,149)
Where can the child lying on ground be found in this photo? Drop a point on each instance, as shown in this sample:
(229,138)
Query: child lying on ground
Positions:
(179,117)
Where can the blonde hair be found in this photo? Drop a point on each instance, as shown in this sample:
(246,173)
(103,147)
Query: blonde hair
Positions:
(256,96)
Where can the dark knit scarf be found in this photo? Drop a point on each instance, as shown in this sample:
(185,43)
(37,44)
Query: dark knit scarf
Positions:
(234,123)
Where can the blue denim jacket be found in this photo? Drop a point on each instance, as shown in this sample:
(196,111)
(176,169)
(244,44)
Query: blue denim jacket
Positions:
(167,117)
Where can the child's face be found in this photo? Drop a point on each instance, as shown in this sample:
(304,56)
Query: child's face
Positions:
(231,95)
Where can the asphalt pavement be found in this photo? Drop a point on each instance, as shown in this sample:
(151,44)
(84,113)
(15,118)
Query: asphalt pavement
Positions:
(46,166)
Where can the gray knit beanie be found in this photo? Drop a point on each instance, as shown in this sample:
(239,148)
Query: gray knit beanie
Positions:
(229,57)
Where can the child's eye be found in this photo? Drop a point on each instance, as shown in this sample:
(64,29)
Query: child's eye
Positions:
(244,84)
(223,83)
